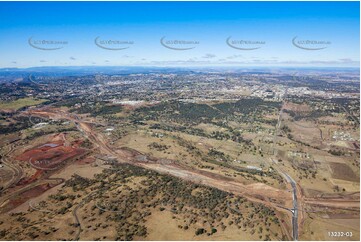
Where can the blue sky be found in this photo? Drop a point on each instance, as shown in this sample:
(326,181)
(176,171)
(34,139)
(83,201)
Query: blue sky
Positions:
(266,29)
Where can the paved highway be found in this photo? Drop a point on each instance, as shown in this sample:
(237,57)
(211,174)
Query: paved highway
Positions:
(181,172)
(288,178)
(294,210)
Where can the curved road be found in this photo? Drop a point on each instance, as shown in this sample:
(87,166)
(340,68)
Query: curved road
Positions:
(182,172)
(287,177)
(295,207)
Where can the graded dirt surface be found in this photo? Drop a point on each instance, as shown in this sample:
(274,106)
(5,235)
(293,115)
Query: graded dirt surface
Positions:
(343,172)
(257,193)
(37,164)
(51,155)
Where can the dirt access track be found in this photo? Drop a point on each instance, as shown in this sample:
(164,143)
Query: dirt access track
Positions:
(257,192)
(45,159)
(51,155)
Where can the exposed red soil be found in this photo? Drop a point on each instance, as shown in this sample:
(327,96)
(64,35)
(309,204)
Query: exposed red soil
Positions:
(29,194)
(50,155)
(255,192)
(28,180)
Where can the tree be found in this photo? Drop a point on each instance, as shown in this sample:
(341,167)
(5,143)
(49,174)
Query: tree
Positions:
(200,231)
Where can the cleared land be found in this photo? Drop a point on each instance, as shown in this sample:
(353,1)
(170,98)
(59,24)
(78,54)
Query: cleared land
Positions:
(207,171)
(20,103)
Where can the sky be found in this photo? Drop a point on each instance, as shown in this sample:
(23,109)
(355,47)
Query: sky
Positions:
(309,34)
